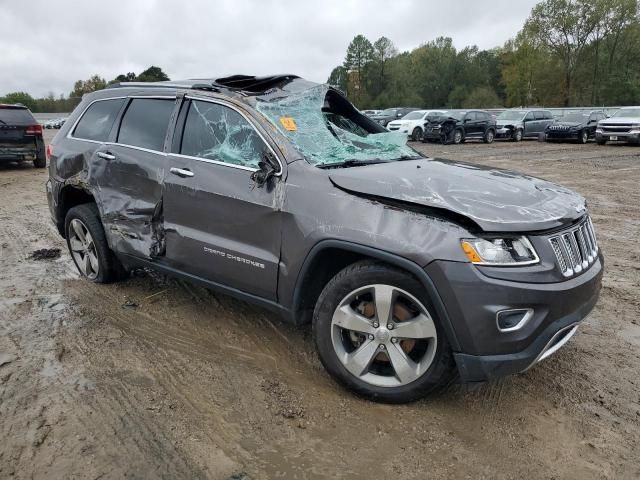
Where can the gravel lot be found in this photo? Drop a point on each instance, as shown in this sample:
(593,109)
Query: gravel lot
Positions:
(158,378)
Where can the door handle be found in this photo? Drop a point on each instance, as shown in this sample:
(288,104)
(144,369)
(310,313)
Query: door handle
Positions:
(181,172)
(106,155)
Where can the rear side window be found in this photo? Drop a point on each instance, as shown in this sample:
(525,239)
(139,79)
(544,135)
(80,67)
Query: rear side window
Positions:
(145,123)
(547,115)
(538,115)
(16,116)
(215,132)
(97,121)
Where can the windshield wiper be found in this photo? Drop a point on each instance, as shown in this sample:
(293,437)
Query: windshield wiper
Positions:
(350,163)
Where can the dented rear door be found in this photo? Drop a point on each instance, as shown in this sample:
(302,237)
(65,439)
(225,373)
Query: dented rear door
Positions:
(131,183)
(219,225)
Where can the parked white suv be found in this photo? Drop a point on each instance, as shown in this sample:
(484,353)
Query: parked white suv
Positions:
(412,124)
(623,125)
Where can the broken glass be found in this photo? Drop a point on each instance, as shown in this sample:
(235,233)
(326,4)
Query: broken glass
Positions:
(216,132)
(326,137)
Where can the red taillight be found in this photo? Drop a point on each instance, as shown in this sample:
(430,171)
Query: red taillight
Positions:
(34,130)
(49,151)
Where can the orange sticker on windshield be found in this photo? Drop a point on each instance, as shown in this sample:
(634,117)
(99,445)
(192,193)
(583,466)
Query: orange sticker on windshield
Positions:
(289,123)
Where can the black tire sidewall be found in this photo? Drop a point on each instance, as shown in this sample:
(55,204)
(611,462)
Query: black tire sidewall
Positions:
(107,264)
(356,276)
(417,137)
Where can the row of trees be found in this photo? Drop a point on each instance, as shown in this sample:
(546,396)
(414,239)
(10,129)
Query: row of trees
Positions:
(63,103)
(569,52)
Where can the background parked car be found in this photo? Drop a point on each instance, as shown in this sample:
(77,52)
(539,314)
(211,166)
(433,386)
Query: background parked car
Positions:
(370,113)
(390,114)
(21,136)
(456,126)
(577,125)
(412,124)
(517,124)
(622,125)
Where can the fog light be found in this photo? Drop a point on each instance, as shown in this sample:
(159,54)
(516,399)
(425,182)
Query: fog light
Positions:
(513,319)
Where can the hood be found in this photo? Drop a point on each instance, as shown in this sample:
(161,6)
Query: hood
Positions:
(496,200)
(620,120)
(504,123)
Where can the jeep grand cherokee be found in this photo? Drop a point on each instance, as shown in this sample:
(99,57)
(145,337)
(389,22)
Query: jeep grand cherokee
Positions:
(278,191)
(21,136)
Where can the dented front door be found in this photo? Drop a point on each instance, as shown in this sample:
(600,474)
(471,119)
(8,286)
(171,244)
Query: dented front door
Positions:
(219,225)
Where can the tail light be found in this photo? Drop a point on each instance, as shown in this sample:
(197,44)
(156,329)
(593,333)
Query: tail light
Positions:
(34,130)
(49,151)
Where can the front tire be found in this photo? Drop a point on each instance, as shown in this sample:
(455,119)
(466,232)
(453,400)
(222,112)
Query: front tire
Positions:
(517,135)
(601,140)
(377,334)
(416,134)
(88,245)
(489,136)
(457,137)
(583,137)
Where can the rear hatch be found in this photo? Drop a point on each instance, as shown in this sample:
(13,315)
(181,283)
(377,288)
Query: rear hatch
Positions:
(18,129)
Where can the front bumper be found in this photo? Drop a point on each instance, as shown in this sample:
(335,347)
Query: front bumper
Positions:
(562,134)
(504,132)
(631,137)
(472,301)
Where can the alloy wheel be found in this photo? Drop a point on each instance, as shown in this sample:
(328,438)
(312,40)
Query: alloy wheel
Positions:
(383,335)
(83,249)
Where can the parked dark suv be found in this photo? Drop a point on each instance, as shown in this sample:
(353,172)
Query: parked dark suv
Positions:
(21,136)
(578,126)
(278,191)
(457,126)
(391,114)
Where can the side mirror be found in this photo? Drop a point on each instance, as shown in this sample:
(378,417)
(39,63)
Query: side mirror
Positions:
(268,167)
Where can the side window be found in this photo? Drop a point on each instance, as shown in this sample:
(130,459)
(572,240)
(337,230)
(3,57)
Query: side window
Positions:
(145,123)
(471,116)
(483,116)
(97,121)
(215,132)
(529,117)
(548,115)
(538,115)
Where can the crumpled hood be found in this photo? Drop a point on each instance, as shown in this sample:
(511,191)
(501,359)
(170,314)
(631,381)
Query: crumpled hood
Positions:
(497,200)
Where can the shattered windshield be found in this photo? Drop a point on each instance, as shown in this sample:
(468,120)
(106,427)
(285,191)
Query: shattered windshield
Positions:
(327,130)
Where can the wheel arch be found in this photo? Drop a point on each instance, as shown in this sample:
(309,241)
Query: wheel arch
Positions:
(69,197)
(309,283)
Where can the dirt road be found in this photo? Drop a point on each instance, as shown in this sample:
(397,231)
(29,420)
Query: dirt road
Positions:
(157,378)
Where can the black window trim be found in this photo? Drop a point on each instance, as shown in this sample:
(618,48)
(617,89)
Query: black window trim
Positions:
(180,130)
(118,120)
(122,113)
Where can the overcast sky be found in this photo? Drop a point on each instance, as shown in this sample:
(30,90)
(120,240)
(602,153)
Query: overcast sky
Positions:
(46,45)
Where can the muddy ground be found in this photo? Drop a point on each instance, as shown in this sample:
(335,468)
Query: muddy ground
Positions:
(158,378)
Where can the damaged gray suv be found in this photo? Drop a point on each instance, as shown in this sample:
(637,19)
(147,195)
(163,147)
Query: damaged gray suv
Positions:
(412,271)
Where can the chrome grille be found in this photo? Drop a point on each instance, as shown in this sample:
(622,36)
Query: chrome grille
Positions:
(576,248)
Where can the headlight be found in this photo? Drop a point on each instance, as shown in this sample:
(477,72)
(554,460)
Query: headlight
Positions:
(513,251)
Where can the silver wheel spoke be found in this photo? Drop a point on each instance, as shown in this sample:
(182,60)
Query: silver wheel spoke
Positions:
(78,228)
(93,261)
(406,369)
(383,297)
(75,244)
(87,264)
(346,317)
(358,361)
(419,327)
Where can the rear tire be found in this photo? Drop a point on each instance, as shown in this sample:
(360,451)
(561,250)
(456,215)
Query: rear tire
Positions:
(383,374)
(40,162)
(93,258)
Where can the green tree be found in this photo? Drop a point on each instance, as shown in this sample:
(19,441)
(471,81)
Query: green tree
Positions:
(152,74)
(338,78)
(86,86)
(359,54)
(19,97)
